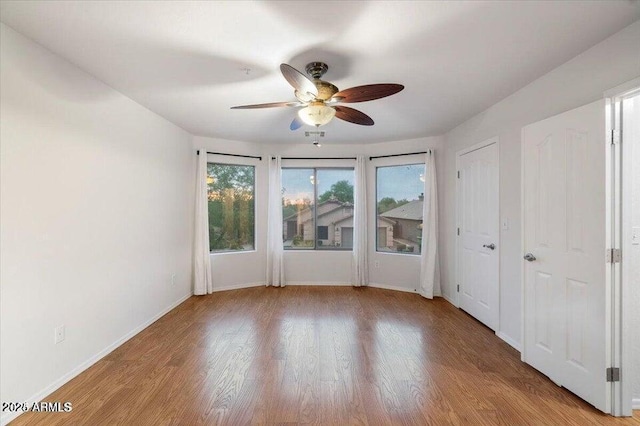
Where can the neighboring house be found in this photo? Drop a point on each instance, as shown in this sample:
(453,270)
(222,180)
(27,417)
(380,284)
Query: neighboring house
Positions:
(301,223)
(408,222)
(343,232)
(334,225)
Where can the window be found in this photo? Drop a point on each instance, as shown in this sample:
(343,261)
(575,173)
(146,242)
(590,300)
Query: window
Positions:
(231,207)
(323,232)
(320,200)
(399,202)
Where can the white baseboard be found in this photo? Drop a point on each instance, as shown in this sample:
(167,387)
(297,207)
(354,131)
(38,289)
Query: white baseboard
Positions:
(261,284)
(392,287)
(635,404)
(515,345)
(39,396)
(449,299)
(238,286)
(319,283)
(322,283)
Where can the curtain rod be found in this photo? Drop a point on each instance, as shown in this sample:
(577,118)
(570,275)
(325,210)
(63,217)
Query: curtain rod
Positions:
(231,155)
(316,158)
(399,155)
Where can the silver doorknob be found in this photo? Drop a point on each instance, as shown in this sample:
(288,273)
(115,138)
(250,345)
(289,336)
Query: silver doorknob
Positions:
(489,246)
(529,257)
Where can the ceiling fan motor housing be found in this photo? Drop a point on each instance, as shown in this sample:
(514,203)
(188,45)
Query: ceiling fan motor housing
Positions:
(325,89)
(316,69)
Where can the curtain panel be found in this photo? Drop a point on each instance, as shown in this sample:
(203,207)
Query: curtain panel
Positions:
(275,250)
(202,277)
(360,264)
(429,262)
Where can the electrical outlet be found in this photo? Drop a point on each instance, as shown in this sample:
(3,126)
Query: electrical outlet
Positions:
(173,279)
(505,224)
(59,334)
(376,264)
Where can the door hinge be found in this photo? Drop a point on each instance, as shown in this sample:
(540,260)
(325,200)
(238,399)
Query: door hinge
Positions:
(458,288)
(458,174)
(613,374)
(615,136)
(458,231)
(614,255)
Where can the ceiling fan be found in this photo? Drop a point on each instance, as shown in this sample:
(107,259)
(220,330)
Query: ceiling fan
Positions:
(320,98)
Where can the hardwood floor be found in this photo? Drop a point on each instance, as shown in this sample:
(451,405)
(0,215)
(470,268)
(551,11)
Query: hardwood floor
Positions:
(321,355)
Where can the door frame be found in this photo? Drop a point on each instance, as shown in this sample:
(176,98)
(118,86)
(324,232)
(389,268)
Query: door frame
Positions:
(618,227)
(617,224)
(485,143)
(605,150)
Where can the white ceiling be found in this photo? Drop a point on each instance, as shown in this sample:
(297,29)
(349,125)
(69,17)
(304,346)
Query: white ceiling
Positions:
(185,60)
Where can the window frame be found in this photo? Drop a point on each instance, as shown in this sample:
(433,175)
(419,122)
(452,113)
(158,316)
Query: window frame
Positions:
(316,247)
(409,160)
(242,162)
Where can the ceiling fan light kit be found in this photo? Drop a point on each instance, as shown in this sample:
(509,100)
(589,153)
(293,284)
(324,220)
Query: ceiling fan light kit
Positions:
(316,114)
(318,97)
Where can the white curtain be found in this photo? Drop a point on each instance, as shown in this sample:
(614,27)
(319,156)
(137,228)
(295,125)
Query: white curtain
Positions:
(275,251)
(429,263)
(202,279)
(360,269)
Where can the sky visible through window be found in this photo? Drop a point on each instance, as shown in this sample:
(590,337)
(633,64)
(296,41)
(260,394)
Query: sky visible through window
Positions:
(298,183)
(400,182)
(395,182)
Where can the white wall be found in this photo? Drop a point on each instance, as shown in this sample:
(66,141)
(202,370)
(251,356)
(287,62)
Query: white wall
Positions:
(575,83)
(314,267)
(96,214)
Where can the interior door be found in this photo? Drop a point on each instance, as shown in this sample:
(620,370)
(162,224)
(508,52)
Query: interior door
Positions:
(478,251)
(565,308)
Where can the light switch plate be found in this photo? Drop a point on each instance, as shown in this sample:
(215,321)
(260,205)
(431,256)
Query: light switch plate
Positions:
(59,334)
(635,235)
(505,224)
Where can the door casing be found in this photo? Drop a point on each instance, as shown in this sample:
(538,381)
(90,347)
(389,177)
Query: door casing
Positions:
(618,229)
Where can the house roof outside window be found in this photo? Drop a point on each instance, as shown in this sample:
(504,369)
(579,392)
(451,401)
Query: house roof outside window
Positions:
(411,211)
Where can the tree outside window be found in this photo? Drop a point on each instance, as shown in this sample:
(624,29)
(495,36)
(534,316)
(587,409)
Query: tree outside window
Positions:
(231,194)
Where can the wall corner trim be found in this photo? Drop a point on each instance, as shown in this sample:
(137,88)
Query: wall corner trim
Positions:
(392,287)
(512,342)
(238,286)
(449,299)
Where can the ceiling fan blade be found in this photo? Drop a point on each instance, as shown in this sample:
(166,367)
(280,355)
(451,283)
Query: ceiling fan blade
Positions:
(368,92)
(353,115)
(296,123)
(298,80)
(269,105)
(304,97)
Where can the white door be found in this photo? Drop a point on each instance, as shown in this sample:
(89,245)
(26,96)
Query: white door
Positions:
(565,311)
(478,251)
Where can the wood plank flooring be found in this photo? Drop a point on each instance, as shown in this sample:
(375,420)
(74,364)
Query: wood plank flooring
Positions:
(316,355)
